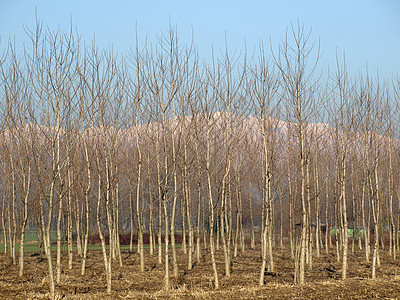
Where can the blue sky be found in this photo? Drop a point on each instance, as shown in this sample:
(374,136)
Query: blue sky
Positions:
(368,31)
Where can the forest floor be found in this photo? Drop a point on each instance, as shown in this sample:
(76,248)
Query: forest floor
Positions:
(323,281)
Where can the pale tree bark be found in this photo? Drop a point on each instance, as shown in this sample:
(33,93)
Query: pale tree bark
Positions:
(364,215)
(375,205)
(77,211)
(116,216)
(59,229)
(292,225)
(98,221)
(160,201)
(3,222)
(138,210)
(69,207)
(199,193)
(187,198)
(186,202)
(392,226)
(211,207)
(107,204)
(225,226)
(317,211)
(183,211)
(159,184)
(353,216)
(344,211)
(3,192)
(396,238)
(130,216)
(87,213)
(12,223)
(174,200)
(26,187)
(266,241)
(252,233)
(151,209)
(166,236)
(309,253)
(328,241)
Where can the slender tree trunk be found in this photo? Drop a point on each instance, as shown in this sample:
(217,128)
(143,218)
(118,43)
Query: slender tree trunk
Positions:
(392,227)
(252,234)
(48,243)
(376,214)
(211,210)
(219,232)
(26,185)
(69,217)
(172,225)
(110,223)
(160,201)
(102,240)
(353,214)
(317,212)
(166,238)
(309,218)
(130,218)
(264,251)
(198,226)
(116,220)
(366,230)
(151,217)
(3,222)
(12,217)
(292,226)
(183,219)
(159,235)
(138,214)
(87,191)
(47,231)
(22,237)
(78,224)
(190,224)
(225,226)
(344,214)
(302,257)
(59,238)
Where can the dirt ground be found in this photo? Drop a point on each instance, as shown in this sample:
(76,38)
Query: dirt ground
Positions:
(323,281)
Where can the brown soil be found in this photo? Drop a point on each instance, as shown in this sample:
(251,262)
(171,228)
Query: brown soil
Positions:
(323,281)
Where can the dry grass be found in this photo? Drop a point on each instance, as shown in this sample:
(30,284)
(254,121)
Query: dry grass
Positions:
(323,282)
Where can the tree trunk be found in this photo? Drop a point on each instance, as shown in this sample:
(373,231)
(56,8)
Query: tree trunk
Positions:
(59,239)
(87,191)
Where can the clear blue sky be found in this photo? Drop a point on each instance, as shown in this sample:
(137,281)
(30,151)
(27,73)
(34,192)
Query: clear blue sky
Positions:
(368,31)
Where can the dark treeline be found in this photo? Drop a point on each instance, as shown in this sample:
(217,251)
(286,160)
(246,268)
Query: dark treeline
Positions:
(226,155)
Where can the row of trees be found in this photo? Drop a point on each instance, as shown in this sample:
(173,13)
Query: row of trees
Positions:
(157,141)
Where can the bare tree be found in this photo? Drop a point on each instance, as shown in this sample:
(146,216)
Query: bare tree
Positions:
(262,92)
(344,123)
(297,63)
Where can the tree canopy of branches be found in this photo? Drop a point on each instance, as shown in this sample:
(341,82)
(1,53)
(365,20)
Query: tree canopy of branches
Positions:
(94,143)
